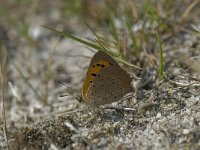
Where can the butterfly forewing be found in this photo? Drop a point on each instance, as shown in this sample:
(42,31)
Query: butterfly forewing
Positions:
(110,84)
(99,61)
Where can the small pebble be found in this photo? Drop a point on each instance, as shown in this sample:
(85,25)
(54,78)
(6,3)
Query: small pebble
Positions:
(158,115)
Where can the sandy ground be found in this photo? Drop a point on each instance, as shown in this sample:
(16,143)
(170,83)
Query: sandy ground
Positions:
(164,113)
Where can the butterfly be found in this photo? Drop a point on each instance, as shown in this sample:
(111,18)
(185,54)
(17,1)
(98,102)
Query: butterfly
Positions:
(105,82)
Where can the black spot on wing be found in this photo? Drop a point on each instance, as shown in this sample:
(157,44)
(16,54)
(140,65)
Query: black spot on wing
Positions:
(102,65)
(94,75)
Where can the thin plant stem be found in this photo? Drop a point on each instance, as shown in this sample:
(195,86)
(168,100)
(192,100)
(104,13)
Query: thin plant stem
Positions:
(3,84)
(161,56)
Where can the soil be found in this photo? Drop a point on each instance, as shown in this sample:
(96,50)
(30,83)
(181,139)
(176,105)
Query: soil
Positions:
(160,114)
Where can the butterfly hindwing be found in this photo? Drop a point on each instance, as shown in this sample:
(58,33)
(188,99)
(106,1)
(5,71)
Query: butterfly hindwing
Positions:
(111,85)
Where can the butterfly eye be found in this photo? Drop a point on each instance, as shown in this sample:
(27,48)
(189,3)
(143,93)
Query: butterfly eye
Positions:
(98,65)
(91,81)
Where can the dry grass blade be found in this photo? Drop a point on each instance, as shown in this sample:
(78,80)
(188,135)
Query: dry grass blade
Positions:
(48,74)
(3,82)
(187,11)
(36,92)
(189,61)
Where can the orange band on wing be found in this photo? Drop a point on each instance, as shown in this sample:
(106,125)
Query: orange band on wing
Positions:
(92,72)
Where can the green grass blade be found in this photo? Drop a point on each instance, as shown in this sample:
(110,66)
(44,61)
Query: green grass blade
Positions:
(97,47)
(76,39)
(161,56)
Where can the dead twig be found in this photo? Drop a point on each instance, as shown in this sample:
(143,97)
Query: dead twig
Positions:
(2,87)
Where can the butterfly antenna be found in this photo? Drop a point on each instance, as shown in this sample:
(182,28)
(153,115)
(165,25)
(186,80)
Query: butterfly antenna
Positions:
(75,93)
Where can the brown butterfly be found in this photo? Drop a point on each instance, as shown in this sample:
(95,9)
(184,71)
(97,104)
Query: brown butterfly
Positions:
(105,82)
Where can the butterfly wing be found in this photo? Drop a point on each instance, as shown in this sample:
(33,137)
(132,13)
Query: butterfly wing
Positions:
(110,85)
(99,61)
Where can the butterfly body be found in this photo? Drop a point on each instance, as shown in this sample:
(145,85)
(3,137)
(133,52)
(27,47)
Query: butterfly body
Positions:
(105,81)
